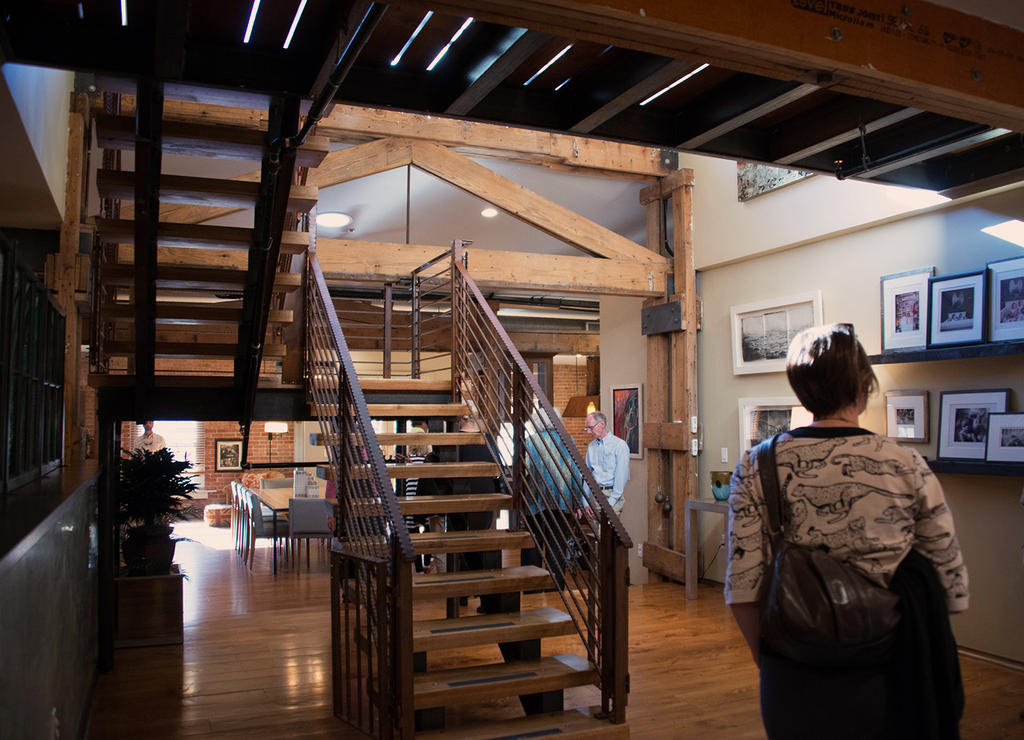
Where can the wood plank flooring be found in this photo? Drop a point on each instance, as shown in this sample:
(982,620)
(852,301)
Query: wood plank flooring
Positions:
(255,663)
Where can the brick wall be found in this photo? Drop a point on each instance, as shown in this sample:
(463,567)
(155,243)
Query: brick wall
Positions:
(570,380)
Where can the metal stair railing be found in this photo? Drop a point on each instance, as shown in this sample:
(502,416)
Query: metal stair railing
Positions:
(371,572)
(554,494)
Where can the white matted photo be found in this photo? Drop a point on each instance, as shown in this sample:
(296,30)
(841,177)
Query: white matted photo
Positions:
(906,416)
(1005,441)
(957,309)
(760,418)
(963,422)
(762,331)
(1006,304)
(905,309)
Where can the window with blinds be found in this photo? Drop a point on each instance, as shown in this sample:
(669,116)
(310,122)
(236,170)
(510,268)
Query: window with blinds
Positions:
(186,439)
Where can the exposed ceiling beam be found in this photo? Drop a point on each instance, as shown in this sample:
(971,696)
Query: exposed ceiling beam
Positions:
(931,153)
(929,56)
(344,260)
(869,127)
(638,92)
(347,122)
(747,116)
(496,73)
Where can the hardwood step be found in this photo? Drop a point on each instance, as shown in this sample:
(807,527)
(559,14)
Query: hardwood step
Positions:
(478,582)
(191,350)
(179,277)
(500,680)
(434,439)
(201,191)
(412,505)
(191,314)
(574,724)
(197,236)
(472,540)
(532,624)
(103,380)
(416,410)
(412,385)
(217,141)
(401,471)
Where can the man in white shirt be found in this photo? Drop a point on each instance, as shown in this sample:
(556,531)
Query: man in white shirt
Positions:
(607,459)
(150,441)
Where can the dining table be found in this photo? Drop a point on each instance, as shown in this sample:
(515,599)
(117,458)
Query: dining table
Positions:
(277,500)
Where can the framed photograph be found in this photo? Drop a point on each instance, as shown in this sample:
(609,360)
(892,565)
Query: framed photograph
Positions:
(229,455)
(905,309)
(762,331)
(1006,302)
(1005,438)
(760,418)
(957,309)
(906,416)
(627,424)
(963,422)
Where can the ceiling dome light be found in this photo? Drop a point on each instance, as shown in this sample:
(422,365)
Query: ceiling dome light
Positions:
(489,212)
(333,219)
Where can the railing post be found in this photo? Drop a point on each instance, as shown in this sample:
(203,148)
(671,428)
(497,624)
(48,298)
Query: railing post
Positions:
(458,309)
(417,337)
(520,405)
(614,574)
(401,652)
(388,328)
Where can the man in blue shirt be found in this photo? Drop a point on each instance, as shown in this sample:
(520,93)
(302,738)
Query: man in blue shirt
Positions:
(608,459)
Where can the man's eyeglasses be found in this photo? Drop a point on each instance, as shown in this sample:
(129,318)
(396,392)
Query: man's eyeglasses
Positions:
(592,426)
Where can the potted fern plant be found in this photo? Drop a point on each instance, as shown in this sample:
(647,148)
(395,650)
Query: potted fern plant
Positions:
(154,491)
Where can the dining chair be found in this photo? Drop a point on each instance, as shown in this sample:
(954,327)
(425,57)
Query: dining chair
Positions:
(308,519)
(260,524)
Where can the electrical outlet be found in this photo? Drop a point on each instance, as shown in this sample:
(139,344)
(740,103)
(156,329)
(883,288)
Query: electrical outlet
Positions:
(640,551)
(693,447)
(725,454)
(693,424)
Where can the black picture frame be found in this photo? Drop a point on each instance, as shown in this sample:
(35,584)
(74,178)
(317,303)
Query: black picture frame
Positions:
(963,422)
(958,309)
(227,455)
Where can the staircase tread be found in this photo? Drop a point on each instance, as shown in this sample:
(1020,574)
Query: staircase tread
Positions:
(470,540)
(572,724)
(434,439)
(415,410)
(477,582)
(482,682)
(192,349)
(404,384)
(198,236)
(443,470)
(454,504)
(439,634)
(183,277)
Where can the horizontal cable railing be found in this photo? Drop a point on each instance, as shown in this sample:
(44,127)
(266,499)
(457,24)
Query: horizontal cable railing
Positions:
(376,552)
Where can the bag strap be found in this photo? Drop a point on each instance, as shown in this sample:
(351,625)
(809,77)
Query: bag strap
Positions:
(768,470)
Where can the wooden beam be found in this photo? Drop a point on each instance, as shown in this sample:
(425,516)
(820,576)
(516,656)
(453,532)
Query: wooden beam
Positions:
(659,435)
(192,314)
(496,73)
(936,58)
(191,350)
(623,160)
(664,561)
(666,186)
(197,236)
(362,160)
(527,206)
(380,262)
(195,278)
(758,111)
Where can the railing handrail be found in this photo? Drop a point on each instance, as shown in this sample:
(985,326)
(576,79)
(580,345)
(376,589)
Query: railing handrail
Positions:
(373,450)
(553,419)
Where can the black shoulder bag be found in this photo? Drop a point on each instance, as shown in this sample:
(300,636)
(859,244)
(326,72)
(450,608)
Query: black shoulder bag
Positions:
(817,609)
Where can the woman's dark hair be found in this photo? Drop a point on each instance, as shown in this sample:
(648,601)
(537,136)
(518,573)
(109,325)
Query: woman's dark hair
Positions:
(828,369)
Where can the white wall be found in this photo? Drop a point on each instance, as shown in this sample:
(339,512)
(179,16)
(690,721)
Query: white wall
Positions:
(846,269)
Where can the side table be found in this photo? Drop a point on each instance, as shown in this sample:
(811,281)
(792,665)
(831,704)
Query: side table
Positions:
(692,536)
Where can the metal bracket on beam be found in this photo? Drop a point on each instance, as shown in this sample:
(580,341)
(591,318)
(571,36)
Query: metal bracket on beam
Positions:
(662,318)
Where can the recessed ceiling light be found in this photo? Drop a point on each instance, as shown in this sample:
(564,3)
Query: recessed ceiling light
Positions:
(681,80)
(1011,231)
(489,212)
(333,219)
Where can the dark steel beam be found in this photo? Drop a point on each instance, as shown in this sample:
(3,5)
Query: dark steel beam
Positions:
(495,74)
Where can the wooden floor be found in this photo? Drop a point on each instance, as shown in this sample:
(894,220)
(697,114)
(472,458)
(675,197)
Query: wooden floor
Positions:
(255,663)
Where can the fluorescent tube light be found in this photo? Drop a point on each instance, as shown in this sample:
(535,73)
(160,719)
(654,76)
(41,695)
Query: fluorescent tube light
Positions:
(252,20)
(398,57)
(551,61)
(680,81)
(449,44)
(1011,231)
(124,12)
(295,22)
(562,84)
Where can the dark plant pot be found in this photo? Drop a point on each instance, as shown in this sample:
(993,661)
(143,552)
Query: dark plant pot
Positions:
(148,551)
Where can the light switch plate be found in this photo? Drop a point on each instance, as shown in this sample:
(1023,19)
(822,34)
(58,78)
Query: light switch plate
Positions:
(725,454)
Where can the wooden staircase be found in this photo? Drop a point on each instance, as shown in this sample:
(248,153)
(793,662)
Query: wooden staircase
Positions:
(201,270)
(528,672)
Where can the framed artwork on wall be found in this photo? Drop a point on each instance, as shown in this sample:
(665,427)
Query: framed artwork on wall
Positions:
(760,418)
(228,455)
(906,416)
(956,309)
(963,422)
(762,331)
(905,309)
(1006,299)
(1005,442)
(627,424)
